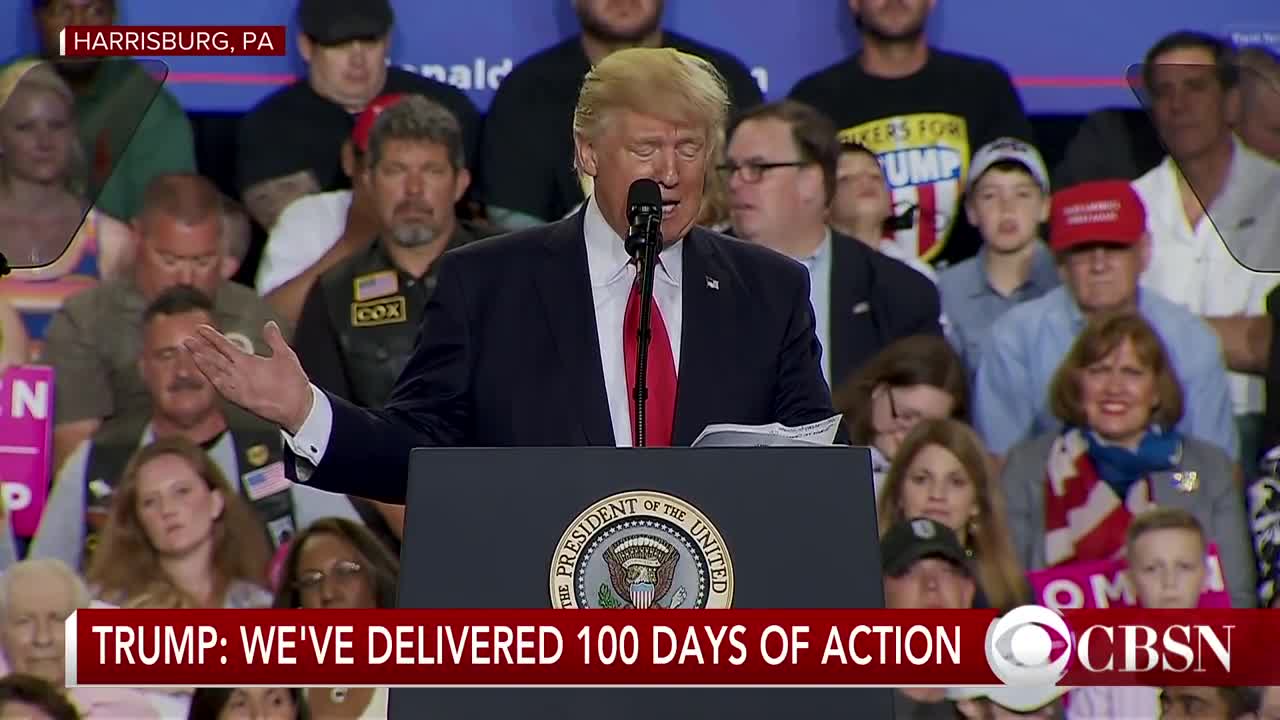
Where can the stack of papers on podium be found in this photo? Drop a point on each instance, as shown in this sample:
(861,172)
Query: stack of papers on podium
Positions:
(815,434)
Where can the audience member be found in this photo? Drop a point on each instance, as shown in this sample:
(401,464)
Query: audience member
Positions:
(250,703)
(1259,121)
(360,320)
(13,336)
(318,231)
(942,472)
(340,565)
(781,173)
(1073,494)
(925,568)
(913,379)
(1210,183)
(94,340)
(528,176)
(863,206)
(922,110)
(1007,200)
(23,697)
(1208,703)
(128,151)
(177,536)
(1165,551)
(1098,233)
(363,316)
(36,598)
(183,404)
(59,243)
(1013,703)
(289,144)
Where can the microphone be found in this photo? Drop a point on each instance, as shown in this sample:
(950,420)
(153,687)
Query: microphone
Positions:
(644,217)
(644,242)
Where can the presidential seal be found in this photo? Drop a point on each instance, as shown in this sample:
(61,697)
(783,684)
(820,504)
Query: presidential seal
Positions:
(641,550)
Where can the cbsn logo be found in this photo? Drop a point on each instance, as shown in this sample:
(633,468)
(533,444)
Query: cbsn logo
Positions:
(1021,651)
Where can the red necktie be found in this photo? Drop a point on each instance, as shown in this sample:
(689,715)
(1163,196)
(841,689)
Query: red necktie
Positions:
(660,407)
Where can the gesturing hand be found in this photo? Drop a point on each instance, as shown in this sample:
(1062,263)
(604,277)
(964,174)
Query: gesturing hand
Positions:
(274,388)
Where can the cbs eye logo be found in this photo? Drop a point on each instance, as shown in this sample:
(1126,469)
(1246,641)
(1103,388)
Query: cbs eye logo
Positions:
(1020,649)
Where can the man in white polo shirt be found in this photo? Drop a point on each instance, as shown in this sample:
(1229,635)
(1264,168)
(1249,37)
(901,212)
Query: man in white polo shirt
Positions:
(1211,207)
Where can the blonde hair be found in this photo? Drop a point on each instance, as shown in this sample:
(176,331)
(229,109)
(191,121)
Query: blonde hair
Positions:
(670,84)
(40,75)
(125,568)
(1162,518)
(999,573)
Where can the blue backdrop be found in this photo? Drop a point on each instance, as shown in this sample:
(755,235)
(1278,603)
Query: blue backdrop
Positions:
(1065,56)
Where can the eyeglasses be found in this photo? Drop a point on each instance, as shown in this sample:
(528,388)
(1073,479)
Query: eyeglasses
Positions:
(343,571)
(753,171)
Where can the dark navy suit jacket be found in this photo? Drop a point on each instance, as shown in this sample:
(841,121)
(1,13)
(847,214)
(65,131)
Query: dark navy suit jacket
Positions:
(509,356)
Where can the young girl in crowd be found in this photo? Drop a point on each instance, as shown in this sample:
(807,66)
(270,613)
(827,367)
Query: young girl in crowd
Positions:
(942,472)
(913,379)
(179,537)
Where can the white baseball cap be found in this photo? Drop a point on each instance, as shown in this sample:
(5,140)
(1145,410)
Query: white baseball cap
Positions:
(1008,149)
(1016,699)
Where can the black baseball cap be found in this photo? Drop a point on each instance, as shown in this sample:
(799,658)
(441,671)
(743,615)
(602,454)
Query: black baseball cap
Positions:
(916,539)
(334,22)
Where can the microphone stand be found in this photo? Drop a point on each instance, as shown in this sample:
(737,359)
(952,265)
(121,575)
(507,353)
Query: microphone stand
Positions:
(644,243)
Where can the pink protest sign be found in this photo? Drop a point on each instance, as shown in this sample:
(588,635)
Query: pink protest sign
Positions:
(1103,584)
(26,444)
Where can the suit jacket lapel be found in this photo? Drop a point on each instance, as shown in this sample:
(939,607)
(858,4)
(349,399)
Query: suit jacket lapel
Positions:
(707,289)
(564,286)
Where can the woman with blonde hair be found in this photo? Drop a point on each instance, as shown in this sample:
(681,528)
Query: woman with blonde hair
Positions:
(942,472)
(179,537)
(57,243)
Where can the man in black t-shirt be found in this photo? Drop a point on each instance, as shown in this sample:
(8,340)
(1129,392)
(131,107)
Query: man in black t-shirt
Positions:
(527,170)
(290,144)
(923,111)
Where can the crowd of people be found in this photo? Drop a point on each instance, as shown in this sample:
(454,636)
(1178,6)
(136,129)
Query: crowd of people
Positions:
(1050,366)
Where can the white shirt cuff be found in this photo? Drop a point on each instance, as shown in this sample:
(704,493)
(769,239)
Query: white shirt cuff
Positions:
(313,437)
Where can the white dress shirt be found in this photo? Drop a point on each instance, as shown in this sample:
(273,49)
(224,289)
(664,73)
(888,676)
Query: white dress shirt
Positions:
(819,265)
(611,279)
(1194,267)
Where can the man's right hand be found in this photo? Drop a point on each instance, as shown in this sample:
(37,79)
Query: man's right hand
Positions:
(274,388)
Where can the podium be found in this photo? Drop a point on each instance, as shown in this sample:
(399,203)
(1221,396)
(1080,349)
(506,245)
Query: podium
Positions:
(539,527)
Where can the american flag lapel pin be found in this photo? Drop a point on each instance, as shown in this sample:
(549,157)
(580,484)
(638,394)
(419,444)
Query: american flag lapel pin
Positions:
(1187,482)
(713,283)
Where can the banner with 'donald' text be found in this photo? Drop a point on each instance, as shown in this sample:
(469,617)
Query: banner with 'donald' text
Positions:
(26,444)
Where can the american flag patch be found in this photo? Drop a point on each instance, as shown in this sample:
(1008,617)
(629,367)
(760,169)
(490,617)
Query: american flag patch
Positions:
(265,481)
(376,285)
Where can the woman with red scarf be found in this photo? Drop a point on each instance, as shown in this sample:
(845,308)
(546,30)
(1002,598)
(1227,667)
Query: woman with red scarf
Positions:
(1072,494)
